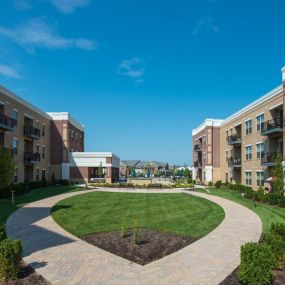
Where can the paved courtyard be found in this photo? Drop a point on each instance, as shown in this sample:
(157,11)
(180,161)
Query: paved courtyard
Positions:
(64,259)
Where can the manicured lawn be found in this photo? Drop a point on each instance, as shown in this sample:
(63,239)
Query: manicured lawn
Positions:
(102,212)
(6,208)
(267,213)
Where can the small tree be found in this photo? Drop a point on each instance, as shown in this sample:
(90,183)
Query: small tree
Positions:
(277,175)
(7,169)
(100,170)
(187,172)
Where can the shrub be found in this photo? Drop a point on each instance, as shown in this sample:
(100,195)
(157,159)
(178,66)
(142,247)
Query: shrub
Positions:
(194,181)
(210,183)
(124,231)
(273,198)
(3,234)
(10,258)
(277,245)
(260,194)
(257,263)
(281,202)
(218,184)
(279,229)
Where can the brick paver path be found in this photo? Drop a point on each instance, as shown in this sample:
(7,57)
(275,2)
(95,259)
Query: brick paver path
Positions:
(64,259)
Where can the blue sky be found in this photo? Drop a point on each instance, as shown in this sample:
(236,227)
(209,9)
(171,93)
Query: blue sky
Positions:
(141,74)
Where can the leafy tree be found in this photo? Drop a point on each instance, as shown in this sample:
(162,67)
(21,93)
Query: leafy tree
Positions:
(187,172)
(7,168)
(278,175)
(100,170)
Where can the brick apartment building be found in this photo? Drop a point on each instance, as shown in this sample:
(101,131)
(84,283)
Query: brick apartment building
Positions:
(42,143)
(241,148)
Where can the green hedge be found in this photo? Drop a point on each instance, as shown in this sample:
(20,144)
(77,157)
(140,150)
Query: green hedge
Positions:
(3,234)
(10,258)
(257,263)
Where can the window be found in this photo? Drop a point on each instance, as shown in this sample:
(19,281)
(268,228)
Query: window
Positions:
(43,130)
(43,151)
(37,124)
(15,146)
(260,122)
(248,178)
(37,148)
(248,152)
(260,178)
(16,175)
(259,150)
(248,127)
(37,174)
(15,116)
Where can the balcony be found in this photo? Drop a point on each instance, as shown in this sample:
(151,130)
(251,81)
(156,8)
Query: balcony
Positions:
(272,127)
(197,164)
(234,140)
(197,147)
(7,123)
(269,159)
(234,162)
(31,132)
(31,157)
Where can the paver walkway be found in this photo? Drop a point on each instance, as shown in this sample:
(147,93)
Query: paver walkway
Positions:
(64,259)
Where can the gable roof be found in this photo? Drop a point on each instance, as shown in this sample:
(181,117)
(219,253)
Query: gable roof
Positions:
(130,163)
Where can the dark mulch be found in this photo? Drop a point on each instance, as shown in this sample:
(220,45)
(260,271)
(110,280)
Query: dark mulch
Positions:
(278,275)
(153,245)
(27,276)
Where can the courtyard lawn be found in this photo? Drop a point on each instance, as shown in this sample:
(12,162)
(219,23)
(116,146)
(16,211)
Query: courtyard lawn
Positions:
(6,208)
(97,212)
(267,213)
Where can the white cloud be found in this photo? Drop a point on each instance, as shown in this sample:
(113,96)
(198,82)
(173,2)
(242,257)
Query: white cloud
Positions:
(205,24)
(38,34)
(134,68)
(9,71)
(68,6)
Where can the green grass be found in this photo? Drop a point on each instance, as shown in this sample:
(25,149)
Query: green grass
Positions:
(96,212)
(267,213)
(6,207)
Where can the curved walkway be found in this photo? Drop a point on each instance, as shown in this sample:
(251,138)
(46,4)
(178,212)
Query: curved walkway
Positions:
(64,259)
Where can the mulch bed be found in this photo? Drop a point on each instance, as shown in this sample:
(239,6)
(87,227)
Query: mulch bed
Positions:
(153,245)
(278,275)
(27,276)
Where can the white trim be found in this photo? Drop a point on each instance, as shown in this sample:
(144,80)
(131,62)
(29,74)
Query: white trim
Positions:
(207,123)
(259,171)
(248,145)
(65,116)
(240,123)
(255,103)
(23,101)
(259,142)
(248,170)
(28,116)
(247,120)
(16,110)
(259,115)
(275,106)
(2,103)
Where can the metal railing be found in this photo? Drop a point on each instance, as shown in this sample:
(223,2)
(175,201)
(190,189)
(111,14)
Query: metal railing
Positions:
(197,147)
(271,125)
(30,131)
(234,161)
(234,139)
(269,157)
(7,121)
(32,157)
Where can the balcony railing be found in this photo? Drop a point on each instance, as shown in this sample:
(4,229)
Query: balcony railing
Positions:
(234,162)
(31,132)
(234,140)
(269,159)
(272,126)
(31,157)
(7,123)
(197,147)
(197,164)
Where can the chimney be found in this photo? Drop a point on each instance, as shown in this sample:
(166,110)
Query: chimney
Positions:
(283,74)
